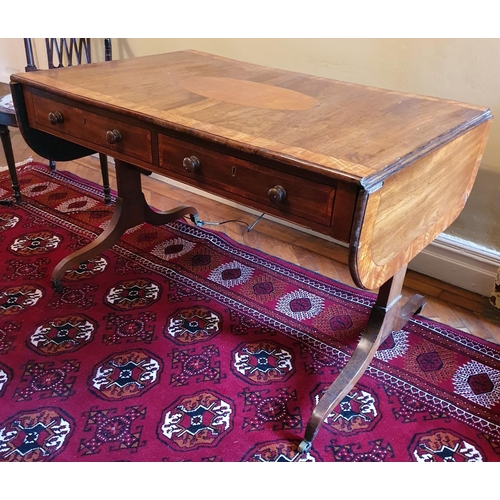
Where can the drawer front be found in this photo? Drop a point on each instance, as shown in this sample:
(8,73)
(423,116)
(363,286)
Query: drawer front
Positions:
(103,132)
(262,188)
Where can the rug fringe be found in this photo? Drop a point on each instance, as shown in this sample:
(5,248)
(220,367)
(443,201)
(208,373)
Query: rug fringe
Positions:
(22,163)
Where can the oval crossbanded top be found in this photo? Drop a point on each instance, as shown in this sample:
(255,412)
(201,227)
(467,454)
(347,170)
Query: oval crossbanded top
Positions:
(248,93)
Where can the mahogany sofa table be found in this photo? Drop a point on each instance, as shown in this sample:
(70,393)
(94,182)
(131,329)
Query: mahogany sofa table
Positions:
(383,171)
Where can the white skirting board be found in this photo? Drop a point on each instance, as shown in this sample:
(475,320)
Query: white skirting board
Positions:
(448,258)
(460,263)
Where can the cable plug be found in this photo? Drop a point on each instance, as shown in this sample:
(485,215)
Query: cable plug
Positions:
(195,219)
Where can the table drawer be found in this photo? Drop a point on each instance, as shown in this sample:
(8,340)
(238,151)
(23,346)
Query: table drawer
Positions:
(261,187)
(90,127)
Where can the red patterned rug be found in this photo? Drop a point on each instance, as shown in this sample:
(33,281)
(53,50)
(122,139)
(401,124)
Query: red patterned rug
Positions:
(182,345)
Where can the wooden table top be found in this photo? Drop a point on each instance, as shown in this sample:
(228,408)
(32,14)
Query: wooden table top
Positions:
(336,128)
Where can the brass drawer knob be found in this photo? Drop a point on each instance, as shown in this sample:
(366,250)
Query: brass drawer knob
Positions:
(55,117)
(191,164)
(277,194)
(113,136)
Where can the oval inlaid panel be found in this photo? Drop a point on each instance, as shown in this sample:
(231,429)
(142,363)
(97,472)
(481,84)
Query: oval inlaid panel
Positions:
(245,93)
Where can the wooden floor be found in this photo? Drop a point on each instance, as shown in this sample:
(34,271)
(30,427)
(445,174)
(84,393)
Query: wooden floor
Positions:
(447,304)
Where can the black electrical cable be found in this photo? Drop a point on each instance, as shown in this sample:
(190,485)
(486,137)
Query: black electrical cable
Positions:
(200,223)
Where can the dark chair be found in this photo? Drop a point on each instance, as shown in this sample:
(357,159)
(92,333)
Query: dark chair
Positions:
(61,52)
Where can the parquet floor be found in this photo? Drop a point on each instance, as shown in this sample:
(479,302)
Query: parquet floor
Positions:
(447,304)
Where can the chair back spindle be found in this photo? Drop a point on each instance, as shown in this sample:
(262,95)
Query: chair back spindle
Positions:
(30,60)
(108,52)
(64,52)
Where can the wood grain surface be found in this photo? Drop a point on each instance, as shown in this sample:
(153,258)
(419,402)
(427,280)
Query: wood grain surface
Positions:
(354,132)
(414,206)
(383,170)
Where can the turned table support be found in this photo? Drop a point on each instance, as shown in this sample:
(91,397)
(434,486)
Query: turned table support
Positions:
(387,315)
(131,209)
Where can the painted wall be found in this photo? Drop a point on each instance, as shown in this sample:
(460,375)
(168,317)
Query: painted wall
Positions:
(466,70)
